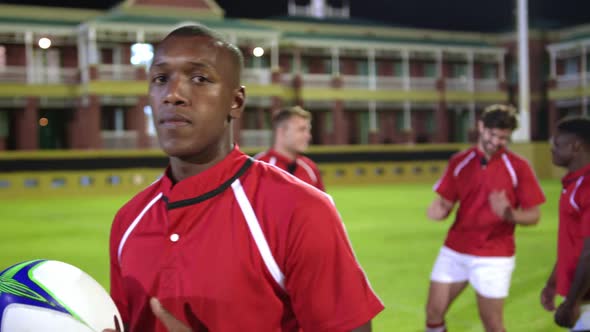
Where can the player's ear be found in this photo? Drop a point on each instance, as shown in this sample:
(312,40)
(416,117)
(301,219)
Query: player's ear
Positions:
(577,146)
(238,103)
(480,126)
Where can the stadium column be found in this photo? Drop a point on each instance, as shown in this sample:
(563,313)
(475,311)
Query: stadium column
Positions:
(340,130)
(373,115)
(537,84)
(276,101)
(441,114)
(26,127)
(552,107)
(84,126)
(135,120)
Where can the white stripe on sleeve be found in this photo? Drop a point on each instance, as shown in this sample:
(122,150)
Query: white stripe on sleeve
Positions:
(134,223)
(257,233)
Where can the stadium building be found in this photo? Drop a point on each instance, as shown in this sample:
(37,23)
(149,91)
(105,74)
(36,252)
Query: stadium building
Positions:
(76,78)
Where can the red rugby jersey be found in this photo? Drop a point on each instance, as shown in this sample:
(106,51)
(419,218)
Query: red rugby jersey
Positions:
(469,180)
(302,167)
(241,246)
(574,225)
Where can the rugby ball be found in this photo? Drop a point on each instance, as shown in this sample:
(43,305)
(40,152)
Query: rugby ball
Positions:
(48,295)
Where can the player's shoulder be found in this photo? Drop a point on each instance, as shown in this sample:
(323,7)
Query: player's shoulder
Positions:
(263,155)
(276,182)
(307,160)
(463,156)
(516,159)
(137,203)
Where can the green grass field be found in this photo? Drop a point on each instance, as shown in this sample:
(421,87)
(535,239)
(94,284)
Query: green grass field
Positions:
(392,238)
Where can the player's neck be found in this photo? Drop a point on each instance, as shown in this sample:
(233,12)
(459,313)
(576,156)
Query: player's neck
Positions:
(486,155)
(291,155)
(582,161)
(182,168)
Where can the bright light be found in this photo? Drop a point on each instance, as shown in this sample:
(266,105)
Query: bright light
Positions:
(43,122)
(258,51)
(142,54)
(151,129)
(44,43)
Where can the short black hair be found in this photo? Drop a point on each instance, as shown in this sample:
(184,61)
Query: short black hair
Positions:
(199,30)
(500,116)
(578,126)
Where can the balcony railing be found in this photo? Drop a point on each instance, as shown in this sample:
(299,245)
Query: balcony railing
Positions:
(255,137)
(457,84)
(487,84)
(355,81)
(18,74)
(423,83)
(12,74)
(317,80)
(260,76)
(117,72)
(390,83)
(569,81)
(119,139)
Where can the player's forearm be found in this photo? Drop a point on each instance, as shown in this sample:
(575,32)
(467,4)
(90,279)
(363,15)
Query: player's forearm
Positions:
(364,328)
(523,216)
(439,209)
(551,281)
(581,284)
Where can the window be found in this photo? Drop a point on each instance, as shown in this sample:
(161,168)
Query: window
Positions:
(329,122)
(114,180)
(362,68)
(430,69)
(58,182)
(459,70)
(429,122)
(399,121)
(488,71)
(398,69)
(327,64)
(86,180)
(571,66)
(31,183)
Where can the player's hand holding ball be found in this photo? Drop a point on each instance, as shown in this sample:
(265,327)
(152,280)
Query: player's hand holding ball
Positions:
(500,204)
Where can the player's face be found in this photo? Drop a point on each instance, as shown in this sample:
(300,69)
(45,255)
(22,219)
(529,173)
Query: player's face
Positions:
(297,134)
(194,91)
(493,139)
(562,149)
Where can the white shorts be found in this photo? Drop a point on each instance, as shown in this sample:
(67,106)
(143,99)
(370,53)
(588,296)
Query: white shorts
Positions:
(583,323)
(490,276)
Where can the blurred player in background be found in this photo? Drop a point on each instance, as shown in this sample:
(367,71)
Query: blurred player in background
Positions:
(291,136)
(496,190)
(222,242)
(570,277)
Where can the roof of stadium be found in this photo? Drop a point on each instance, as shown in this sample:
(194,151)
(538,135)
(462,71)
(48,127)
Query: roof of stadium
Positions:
(458,15)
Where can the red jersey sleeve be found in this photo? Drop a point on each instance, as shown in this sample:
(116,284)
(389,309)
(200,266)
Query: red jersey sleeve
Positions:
(529,193)
(328,289)
(446,186)
(583,201)
(117,292)
(318,174)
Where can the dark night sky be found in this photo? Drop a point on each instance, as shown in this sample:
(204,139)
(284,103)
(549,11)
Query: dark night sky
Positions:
(472,15)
